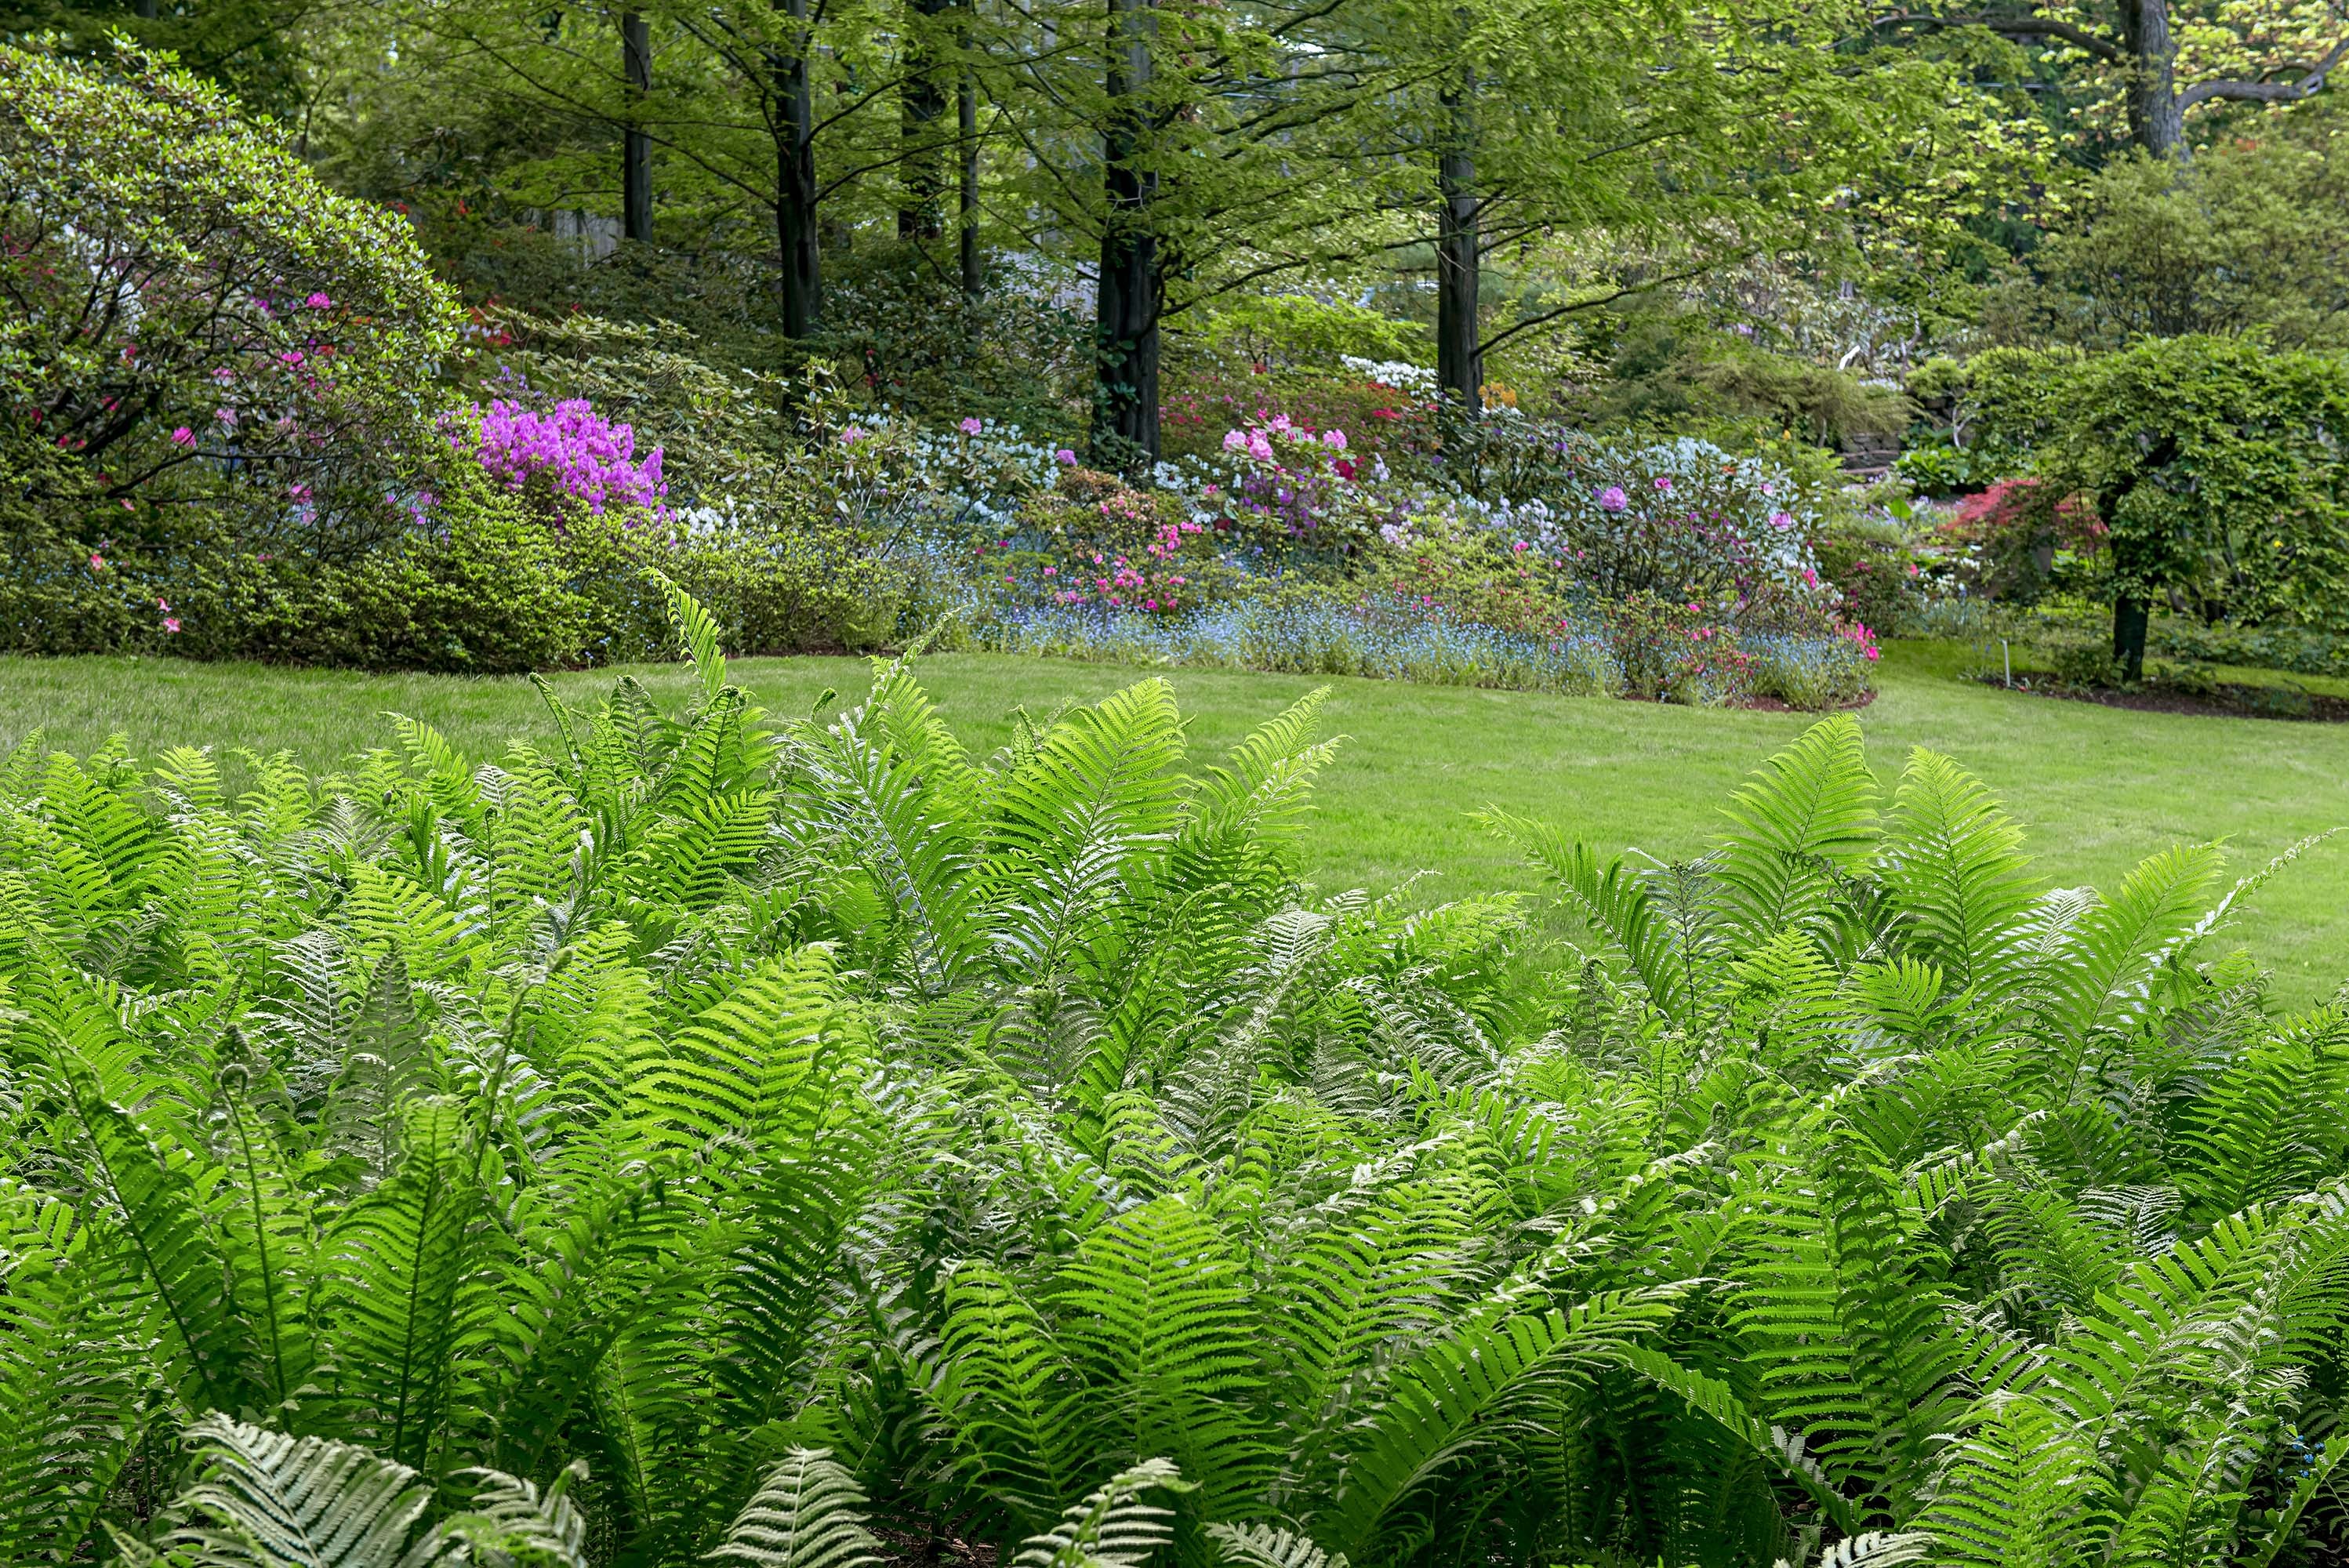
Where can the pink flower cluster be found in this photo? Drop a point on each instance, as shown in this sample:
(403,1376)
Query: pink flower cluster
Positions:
(581,452)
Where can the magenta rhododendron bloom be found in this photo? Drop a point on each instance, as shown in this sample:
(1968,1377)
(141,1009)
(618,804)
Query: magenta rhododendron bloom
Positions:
(183,437)
(1612,498)
(583,453)
(1065,458)
(1781,521)
(319,302)
(1334,440)
(971,426)
(1664,483)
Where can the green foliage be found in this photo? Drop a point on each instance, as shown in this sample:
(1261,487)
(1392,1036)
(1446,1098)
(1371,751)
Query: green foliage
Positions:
(194,319)
(2205,463)
(2247,236)
(831,1136)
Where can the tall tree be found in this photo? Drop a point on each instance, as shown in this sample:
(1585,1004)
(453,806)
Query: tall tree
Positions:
(1690,132)
(2134,45)
(790,121)
(637,145)
(922,102)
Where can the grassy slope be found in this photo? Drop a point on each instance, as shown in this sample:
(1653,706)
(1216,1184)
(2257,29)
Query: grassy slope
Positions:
(2099,788)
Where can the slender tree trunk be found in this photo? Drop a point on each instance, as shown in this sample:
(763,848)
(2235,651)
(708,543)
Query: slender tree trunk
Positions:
(2155,122)
(2129,618)
(636,146)
(921,104)
(1459,364)
(795,194)
(967,235)
(1132,279)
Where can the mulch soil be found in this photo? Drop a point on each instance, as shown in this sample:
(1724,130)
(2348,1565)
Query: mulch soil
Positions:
(2289,703)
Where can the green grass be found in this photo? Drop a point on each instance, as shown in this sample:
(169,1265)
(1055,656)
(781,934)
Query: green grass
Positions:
(2099,788)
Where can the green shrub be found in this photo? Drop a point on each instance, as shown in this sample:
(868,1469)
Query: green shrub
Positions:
(770,590)
(489,592)
(2085,662)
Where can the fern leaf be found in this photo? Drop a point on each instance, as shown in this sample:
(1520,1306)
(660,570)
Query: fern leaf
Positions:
(1114,1527)
(1811,809)
(1262,1546)
(269,1500)
(807,1513)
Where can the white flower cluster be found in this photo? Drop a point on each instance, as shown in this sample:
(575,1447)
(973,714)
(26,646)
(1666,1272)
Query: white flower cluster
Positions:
(1399,374)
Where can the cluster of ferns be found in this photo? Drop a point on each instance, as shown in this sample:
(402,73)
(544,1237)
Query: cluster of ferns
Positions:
(711,1137)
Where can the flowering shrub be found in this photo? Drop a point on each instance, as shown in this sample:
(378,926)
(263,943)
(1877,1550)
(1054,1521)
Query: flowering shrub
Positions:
(1682,519)
(1287,480)
(1882,572)
(580,454)
(196,321)
(2015,529)
(1092,539)
(1671,651)
(1380,416)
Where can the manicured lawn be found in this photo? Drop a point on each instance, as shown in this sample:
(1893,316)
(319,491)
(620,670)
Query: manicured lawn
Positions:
(2099,787)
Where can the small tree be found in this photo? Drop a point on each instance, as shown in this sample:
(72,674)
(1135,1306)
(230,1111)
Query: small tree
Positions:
(183,305)
(2214,464)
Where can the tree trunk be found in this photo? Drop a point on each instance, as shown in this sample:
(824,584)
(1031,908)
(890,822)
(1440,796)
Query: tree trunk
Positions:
(1133,281)
(1459,364)
(966,120)
(2129,616)
(796,195)
(2155,122)
(921,104)
(637,147)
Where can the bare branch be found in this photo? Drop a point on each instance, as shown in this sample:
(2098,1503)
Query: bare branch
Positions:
(2017,27)
(2293,91)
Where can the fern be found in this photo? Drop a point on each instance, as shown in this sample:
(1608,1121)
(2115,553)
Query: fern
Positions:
(805,1514)
(1112,1527)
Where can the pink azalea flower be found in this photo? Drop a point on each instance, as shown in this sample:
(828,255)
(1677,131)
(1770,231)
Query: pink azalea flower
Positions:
(98,563)
(171,623)
(971,427)
(319,302)
(1663,483)
(1335,439)
(852,435)
(1065,458)
(183,437)
(1781,520)
(1052,572)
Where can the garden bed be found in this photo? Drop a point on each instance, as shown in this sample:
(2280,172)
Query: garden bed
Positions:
(2230,700)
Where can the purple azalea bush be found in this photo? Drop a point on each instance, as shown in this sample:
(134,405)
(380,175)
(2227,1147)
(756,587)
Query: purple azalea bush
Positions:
(583,454)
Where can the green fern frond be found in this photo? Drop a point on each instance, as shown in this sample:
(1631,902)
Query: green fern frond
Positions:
(807,1513)
(1263,1546)
(269,1500)
(1114,1527)
(1954,865)
(697,631)
(1809,812)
